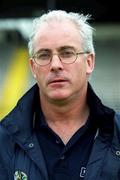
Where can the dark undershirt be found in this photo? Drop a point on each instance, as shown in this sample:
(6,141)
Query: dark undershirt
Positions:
(65,162)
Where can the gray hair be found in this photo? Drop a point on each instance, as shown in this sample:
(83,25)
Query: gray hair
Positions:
(80,20)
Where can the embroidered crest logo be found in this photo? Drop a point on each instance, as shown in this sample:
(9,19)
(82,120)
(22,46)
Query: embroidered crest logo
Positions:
(19,175)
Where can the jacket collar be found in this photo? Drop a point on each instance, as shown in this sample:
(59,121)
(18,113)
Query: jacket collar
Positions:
(19,122)
(104,115)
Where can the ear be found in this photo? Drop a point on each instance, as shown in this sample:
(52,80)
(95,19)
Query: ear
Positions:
(90,63)
(32,67)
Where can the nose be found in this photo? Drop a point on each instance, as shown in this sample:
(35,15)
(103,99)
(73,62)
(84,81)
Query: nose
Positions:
(56,63)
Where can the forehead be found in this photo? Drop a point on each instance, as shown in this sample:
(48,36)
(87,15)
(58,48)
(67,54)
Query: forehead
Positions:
(56,34)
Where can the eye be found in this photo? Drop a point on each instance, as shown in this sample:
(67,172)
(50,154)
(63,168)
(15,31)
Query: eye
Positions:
(43,56)
(67,54)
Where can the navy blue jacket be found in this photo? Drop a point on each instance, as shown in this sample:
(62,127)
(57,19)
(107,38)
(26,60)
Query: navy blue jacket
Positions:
(21,155)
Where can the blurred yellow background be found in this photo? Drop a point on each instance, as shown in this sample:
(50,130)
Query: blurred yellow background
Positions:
(15,82)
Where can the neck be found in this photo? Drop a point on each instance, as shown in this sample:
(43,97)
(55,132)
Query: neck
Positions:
(67,117)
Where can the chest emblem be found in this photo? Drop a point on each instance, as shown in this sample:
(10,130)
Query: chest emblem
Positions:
(19,175)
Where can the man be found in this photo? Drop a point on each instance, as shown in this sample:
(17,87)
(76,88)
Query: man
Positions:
(59,129)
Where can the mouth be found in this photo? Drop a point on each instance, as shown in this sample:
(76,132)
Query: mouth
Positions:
(57,82)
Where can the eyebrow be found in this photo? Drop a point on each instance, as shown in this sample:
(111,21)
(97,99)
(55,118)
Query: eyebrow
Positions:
(66,47)
(43,50)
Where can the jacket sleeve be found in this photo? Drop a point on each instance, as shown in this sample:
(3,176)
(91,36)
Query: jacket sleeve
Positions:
(5,155)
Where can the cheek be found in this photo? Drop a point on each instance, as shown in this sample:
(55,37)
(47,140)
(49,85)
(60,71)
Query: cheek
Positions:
(40,76)
(79,71)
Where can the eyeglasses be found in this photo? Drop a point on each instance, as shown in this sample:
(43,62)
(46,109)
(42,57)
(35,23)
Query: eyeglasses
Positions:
(65,56)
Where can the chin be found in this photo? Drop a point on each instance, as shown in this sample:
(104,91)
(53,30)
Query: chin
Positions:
(59,96)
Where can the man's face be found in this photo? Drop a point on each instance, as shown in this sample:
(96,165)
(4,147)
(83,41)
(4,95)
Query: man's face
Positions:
(58,81)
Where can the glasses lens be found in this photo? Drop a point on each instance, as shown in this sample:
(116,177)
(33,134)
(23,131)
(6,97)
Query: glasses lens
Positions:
(67,56)
(43,58)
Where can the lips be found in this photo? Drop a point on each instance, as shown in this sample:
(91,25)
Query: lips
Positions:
(57,81)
